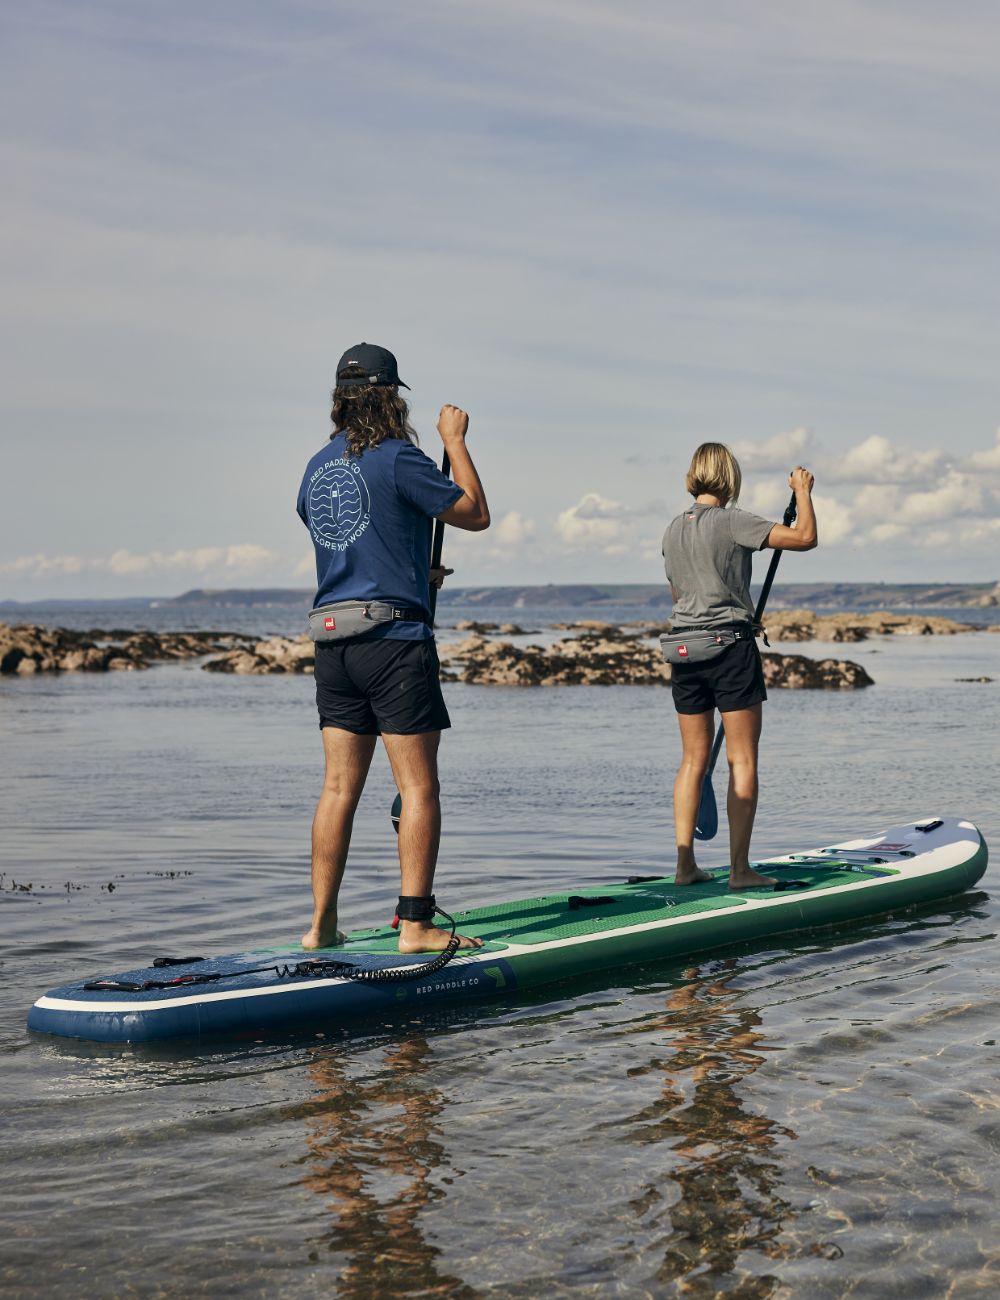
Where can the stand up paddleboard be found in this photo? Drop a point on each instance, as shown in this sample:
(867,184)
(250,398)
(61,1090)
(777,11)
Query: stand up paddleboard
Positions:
(527,943)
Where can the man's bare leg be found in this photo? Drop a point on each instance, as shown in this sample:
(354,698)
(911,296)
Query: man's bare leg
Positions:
(696,737)
(414,765)
(348,758)
(742,728)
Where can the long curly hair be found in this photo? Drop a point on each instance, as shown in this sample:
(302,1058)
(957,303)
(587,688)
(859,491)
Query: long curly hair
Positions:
(370,414)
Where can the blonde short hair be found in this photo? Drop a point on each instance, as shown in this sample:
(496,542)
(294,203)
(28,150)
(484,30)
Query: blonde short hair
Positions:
(714,469)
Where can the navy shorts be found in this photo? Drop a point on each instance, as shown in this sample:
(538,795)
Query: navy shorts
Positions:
(735,680)
(370,687)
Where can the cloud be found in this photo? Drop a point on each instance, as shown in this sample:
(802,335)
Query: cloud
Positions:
(41,566)
(767,497)
(988,460)
(834,520)
(594,523)
(887,532)
(894,514)
(876,460)
(592,506)
(512,531)
(782,451)
(976,533)
(243,558)
(958,495)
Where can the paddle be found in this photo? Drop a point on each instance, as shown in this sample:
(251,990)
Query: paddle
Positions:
(437,546)
(438,543)
(707,823)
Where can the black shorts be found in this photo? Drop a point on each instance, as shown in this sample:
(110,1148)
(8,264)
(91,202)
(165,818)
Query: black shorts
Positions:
(373,686)
(735,680)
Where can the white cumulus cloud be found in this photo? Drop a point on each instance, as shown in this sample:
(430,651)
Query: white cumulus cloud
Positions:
(877,460)
(512,530)
(989,459)
(594,523)
(834,520)
(782,451)
(768,497)
(957,494)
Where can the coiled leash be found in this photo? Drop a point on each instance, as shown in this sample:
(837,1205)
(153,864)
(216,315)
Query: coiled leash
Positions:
(408,909)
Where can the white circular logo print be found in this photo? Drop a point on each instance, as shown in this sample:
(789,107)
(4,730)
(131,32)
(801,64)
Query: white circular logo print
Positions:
(338,504)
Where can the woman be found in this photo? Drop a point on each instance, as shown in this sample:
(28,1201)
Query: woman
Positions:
(707,553)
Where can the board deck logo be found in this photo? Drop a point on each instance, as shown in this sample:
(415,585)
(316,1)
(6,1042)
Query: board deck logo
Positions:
(330,624)
(682,650)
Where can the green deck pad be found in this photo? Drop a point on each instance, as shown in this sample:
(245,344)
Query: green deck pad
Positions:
(542,920)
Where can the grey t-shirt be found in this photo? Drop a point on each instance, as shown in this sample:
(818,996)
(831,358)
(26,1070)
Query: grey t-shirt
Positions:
(707,554)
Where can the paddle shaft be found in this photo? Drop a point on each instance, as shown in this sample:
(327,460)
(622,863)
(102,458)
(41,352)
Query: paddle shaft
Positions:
(765,591)
(438,543)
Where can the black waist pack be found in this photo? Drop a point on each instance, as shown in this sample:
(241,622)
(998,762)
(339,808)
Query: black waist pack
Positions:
(700,645)
(350,618)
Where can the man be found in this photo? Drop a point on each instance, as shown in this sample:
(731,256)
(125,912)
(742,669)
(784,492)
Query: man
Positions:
(368,500)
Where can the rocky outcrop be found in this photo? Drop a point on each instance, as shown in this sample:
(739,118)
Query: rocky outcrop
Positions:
(799,673)
(577,661)
(483,629)
(604,655)
(28,648)
(804,625)
(619,659)
(280,654)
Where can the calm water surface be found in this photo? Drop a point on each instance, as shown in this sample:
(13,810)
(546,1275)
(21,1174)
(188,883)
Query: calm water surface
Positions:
(815,1117)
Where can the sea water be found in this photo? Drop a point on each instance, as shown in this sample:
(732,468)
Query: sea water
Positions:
(815,1116)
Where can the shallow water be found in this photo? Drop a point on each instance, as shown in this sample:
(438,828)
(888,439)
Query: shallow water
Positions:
(809,1117)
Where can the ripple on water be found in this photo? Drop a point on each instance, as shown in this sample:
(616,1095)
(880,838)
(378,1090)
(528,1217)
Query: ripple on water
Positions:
(812,1118)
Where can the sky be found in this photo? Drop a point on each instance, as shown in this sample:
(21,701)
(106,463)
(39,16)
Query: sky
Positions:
(608,231)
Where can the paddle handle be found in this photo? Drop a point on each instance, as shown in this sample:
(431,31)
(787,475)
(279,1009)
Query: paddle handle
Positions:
(438,544)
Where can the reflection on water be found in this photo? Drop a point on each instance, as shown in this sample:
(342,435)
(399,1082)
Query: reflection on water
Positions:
(816,1122)
(376,1153)
(804,1120)
(724,1169)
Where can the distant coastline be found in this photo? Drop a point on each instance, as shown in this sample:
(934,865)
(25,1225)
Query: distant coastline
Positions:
(594,596)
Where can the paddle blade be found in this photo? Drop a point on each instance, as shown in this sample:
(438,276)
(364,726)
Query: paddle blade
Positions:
(397,812)
(707,824)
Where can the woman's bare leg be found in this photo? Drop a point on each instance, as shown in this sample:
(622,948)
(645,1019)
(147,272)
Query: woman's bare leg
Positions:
(696,738)
(742,727)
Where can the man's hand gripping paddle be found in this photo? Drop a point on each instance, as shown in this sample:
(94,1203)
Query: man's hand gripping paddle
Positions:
(436,547)
(707,823)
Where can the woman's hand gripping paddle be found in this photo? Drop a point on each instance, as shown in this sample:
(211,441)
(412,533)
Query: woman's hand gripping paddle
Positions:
(436,548)
(707,824)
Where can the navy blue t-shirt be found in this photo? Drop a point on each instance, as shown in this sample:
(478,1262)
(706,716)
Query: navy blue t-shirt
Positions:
(370,519)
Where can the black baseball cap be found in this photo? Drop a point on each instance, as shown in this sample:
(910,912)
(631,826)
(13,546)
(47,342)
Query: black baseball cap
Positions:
(367,364)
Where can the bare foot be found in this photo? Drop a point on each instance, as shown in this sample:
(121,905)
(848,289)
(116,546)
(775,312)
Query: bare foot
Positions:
(421,936)
(323,934)
(747,878)
(691,876)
